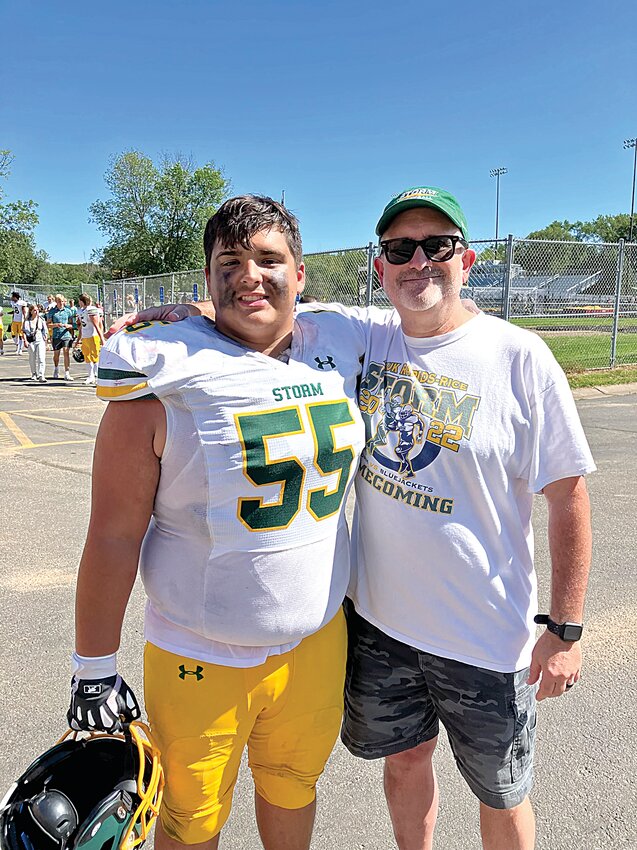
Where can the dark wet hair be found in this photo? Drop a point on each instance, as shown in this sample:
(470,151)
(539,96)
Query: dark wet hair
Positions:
(238,219)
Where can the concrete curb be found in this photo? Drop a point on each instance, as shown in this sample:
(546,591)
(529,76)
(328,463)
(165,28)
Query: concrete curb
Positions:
(609,389)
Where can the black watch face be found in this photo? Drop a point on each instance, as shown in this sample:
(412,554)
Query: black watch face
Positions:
(571,631)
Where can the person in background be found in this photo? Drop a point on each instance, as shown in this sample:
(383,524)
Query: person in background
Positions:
(59,321)
(74,318)
(91,336)
(1,331)
(19,315)
(35,335)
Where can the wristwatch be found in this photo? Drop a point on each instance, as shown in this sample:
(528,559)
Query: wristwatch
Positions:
(565,631)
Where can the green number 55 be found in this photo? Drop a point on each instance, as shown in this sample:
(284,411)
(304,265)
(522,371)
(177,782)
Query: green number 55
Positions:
(256,429)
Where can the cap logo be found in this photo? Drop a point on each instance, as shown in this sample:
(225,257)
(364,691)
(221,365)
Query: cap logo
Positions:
(417,193)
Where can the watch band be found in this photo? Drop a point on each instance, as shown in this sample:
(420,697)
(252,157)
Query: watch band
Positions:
(569,632)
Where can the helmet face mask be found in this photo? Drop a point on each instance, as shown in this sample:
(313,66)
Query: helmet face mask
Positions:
(100,792)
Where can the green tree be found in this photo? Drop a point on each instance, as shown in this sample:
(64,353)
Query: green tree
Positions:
(20,261)
(604,228)
(56,275)
(561,231)
(156,215)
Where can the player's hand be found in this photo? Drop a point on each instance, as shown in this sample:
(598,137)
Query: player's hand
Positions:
(555,663)
(101,705)
(167,313)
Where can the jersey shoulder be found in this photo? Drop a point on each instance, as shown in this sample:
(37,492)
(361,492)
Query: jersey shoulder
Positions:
(149,359)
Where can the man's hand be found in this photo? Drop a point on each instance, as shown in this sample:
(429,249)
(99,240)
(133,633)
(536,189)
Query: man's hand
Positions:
(101,705)
(554,663)
(167,313)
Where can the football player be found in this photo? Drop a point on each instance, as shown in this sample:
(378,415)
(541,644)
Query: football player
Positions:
(240,440)
(19,316)
(91,337)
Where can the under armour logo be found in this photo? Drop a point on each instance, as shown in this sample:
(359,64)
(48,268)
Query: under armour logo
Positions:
(323,363)
(183,672)
(92,690)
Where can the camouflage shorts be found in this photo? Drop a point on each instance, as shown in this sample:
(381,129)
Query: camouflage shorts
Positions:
(396,695)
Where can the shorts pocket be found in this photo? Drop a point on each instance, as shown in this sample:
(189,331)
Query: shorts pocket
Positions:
(525,719)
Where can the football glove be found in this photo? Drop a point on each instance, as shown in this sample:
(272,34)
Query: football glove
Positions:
(101,705)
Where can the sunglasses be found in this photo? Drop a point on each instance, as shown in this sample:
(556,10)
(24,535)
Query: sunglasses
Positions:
(438,249)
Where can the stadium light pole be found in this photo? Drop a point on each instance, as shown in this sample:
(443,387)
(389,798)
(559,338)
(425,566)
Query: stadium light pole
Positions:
(632,143)
(497,173)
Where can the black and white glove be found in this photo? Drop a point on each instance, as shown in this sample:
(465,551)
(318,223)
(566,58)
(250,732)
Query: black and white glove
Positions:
(101,701)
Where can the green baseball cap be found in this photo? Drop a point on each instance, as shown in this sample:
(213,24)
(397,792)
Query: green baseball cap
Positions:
(424,196)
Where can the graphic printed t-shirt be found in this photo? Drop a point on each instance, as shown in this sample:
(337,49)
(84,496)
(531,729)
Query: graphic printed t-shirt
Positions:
(461,430)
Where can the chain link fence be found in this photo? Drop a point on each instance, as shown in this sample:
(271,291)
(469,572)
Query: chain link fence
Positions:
(37,293)
(580,297)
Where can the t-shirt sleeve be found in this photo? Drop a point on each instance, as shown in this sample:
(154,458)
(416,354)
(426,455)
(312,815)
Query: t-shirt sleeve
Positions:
(559,446)
(360,320)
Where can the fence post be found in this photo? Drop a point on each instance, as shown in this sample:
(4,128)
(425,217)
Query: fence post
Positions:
(506,306)
(370,275)
(618,294)
(172,288)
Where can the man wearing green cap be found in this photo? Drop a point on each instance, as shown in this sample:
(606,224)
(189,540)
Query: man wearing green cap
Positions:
(466,418)
(443,596)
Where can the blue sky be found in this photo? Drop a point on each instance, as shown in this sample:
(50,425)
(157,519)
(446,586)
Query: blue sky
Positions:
(342,104)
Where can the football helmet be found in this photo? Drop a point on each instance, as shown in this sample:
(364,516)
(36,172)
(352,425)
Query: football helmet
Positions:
(88,792)
(77,355)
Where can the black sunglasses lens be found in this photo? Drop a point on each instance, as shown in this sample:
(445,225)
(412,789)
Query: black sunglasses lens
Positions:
(439,248)
(400,251)
(436,248)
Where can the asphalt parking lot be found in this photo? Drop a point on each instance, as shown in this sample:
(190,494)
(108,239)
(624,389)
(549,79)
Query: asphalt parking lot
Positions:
(585,794)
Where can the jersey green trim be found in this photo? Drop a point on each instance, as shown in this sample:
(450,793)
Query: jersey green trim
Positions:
(118,374)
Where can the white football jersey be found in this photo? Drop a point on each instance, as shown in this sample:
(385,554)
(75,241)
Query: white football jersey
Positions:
(248,543)
(88,328)
(18,306)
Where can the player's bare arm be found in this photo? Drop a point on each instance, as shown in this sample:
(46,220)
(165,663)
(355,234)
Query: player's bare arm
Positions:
(558,662)
(97,324)
(126,470)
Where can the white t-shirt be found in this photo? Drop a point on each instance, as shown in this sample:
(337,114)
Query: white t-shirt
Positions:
(38,327)
(462,429)
(248,548)
(88,328)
